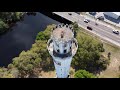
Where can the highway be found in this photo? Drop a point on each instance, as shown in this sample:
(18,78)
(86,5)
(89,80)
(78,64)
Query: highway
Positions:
(100,30)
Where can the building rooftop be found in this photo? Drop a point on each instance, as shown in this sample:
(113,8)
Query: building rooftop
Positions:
(113,14)
(63,34)
(117,13)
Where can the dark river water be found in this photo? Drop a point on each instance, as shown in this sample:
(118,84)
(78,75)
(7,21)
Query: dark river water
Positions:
(22,36)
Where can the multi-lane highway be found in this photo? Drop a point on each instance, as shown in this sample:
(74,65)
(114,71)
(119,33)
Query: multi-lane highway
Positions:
(101,30)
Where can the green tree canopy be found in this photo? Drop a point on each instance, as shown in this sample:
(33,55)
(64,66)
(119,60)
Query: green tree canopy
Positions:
(83,74)
(89,54)
(7,18)
(45,35)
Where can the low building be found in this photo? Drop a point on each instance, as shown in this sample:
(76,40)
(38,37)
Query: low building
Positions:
(114,15)
(92,13)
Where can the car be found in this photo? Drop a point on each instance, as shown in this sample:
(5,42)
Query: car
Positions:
(116,31)
(86,20)
(31,13)
(100,18)
(78,13)
(92,13)
(69,13)
(96,24)
(89,28)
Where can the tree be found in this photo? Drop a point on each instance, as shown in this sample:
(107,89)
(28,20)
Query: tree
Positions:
(7,19)
(75,26)
(40,47)
(45,35)
(25,63)
(88,56)
(5,73)
(83,74)
(36,58)
(3,26)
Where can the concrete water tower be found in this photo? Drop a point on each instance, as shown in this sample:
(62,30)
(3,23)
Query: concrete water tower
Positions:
(62,46)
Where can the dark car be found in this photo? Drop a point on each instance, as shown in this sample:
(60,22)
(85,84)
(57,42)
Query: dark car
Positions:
(31,13)
(88,27)
(115,31)
(92,13)
(78,13)
(70,13)
(100,18)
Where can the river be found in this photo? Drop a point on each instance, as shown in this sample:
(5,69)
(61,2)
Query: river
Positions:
(22,36)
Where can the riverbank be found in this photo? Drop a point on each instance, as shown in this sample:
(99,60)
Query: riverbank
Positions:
(8,20)
(21,36)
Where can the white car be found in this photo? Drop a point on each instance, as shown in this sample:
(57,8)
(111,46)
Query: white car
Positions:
(86,20)
(116,31)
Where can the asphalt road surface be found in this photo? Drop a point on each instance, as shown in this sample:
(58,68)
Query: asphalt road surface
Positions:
(101,30)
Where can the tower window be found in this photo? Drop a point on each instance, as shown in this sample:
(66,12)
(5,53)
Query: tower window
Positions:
(57,44)
(65,45)
(58,50)
(65,51)
(70,48)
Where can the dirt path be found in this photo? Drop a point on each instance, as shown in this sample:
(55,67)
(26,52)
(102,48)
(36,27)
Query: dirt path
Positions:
(51,74)
(112,70)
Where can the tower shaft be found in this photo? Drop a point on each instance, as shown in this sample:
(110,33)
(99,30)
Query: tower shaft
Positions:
(62,46)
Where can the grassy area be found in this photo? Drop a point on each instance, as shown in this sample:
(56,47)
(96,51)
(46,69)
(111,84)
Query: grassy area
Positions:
(51,74)
(112,70)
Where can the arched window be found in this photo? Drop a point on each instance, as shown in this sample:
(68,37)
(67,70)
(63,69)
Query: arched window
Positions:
(58,50)
(65,45)
(65,51)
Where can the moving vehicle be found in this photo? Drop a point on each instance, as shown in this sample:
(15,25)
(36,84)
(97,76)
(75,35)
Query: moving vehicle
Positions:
(86,20)
(100,18)
(89,28)
(92,13)
(96,23)
(116,31)
(31,13)
(70,13)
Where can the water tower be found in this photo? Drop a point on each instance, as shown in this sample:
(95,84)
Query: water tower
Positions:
(62,46)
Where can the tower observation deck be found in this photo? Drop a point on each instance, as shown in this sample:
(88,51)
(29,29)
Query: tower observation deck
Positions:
(62,46)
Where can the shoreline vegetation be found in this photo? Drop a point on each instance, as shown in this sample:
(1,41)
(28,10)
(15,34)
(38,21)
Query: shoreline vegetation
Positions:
(8,20)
